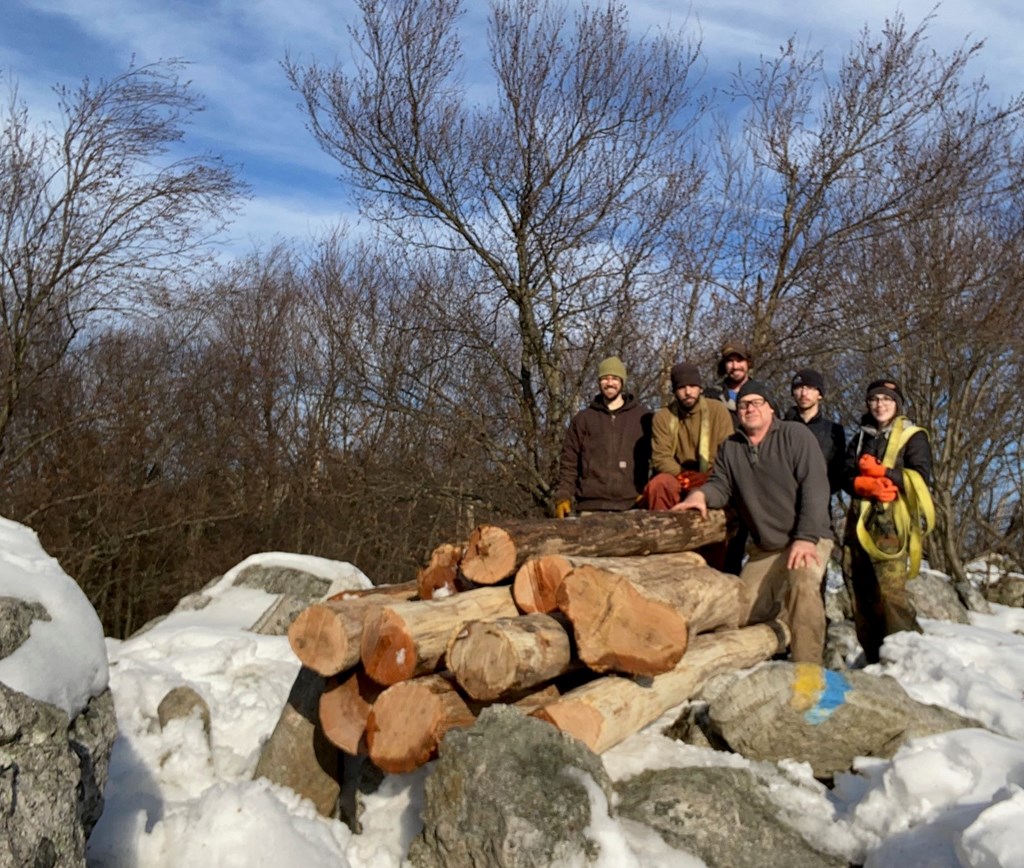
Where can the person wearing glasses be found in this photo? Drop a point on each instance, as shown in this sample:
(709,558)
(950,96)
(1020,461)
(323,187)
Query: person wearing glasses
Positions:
(773,473)
(888,471)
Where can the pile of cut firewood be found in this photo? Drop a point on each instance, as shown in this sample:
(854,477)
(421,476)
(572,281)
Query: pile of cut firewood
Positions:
(597,625)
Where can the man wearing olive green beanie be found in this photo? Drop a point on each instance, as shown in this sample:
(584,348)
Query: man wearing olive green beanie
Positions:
(606,454)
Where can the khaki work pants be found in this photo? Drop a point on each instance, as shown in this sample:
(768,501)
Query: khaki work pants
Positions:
(791,596)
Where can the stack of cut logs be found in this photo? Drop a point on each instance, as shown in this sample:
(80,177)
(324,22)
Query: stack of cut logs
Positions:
(597,625)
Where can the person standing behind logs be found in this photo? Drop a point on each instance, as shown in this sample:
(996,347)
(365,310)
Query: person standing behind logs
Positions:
(685,437)
(808,391)
(773,473)
(888,471)
(607,451)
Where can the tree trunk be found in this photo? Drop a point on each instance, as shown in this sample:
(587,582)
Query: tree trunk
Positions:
(344,708)
(326,636)
(441,574)
(617,628)
(402,640)
(490,659)
(495,552)
(607,710)
(297,754)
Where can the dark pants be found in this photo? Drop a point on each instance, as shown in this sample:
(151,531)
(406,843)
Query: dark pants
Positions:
(881,605)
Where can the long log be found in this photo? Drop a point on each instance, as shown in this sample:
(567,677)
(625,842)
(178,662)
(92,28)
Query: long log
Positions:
(494,658)
(326,636)
(297,754)
(409,719)
(617,628)
(440,577)
(344,709)
(399,591)
(536,582)
(495,552)
(607,710)
(403,640)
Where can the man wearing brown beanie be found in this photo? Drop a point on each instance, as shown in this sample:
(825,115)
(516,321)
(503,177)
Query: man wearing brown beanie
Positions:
(685,438)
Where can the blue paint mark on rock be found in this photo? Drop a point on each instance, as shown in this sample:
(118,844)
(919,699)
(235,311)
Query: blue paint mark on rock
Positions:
(832,696)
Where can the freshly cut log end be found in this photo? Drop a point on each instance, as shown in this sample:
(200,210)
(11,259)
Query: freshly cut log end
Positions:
(408,721)
(388,651)
(440,577)
(491,659)
(319,639)
(619,629)
(490,555)
(345,707)
(535,587)
(576,719)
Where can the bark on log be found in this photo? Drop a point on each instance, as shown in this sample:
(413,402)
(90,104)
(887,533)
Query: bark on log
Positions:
(496,658)
(495,552)
(619,629)
(298,754)
(403,640)
(344,708)
(607,710)
(536,582)
(441,574)
(408,721)
(326,636)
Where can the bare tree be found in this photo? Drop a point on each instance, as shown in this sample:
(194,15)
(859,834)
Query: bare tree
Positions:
(96,212)
(555,198)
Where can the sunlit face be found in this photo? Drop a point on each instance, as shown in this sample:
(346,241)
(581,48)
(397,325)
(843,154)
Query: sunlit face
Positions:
(688,396)
(611,387)
(755,414)
(882,408)
(806,397)
(737,369)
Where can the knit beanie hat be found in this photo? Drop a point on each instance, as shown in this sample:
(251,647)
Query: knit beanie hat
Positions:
(612,367)
(887,386)
(685,374)
(753,387)
(807,377)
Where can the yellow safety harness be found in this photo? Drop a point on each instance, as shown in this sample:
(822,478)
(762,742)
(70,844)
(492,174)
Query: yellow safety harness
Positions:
(913,510)
(703,437)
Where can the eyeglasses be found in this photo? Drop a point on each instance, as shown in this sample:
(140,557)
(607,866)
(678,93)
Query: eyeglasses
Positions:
(752,404)
(881,399)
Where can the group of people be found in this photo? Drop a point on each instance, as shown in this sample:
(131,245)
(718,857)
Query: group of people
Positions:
(728,446)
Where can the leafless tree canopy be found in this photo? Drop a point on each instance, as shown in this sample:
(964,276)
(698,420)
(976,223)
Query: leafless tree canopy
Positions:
(366,399)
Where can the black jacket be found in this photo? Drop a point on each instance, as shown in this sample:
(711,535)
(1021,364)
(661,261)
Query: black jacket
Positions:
(832,439)
(606,456)
(915,455)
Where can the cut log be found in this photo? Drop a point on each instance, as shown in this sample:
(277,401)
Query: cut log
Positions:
(344,708)
(536,582)
(617,628)
(495,552)
(495,658)
(326,636)
(297,754)
(607,710)
(399,591)
(402,640)
(440,577)
(408,721)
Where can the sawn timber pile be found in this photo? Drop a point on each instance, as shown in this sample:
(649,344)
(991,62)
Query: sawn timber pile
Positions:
(598,625)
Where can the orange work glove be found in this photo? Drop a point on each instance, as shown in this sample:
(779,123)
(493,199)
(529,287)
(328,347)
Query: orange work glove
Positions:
(882,489)
(690,479)
(868,465)
(562,508)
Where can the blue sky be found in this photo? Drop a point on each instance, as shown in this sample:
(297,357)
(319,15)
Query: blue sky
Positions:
(235,49)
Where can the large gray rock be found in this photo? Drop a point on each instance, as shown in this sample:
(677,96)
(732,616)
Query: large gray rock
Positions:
(1008,591)
(16,617)
(725,816)
(818,716)
(935,597)
(508,791)
(91,737)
